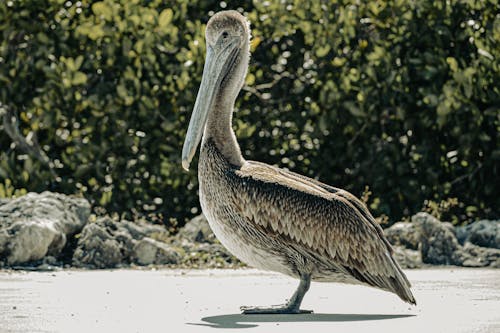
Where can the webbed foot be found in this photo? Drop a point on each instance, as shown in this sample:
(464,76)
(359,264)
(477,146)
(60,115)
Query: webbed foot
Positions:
(291,307)
(273,309)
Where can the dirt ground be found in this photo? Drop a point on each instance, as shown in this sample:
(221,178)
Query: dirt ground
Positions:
(449,300)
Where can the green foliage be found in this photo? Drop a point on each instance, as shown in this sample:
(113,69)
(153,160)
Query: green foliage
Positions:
(441,209)
(399,95)
(402,96)
(8,191)
(106,87)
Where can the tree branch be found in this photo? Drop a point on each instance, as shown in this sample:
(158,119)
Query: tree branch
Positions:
(28,144)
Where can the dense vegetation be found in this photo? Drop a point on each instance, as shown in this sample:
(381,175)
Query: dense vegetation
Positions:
(400,96)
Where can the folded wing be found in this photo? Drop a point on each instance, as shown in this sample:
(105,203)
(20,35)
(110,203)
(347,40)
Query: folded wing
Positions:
(320,219)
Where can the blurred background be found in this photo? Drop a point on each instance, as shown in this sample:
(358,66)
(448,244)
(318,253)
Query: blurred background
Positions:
(396,101)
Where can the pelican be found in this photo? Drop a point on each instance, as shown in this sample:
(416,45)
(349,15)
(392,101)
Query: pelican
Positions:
(271,218)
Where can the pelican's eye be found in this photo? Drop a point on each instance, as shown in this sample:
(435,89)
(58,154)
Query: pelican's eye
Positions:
(225,34)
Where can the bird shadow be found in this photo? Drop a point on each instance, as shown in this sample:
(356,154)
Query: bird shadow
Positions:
(249,321)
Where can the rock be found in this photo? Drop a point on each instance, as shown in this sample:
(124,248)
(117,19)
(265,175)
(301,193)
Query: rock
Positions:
(475,256)
(49,260)
(438,241)
(407,258)
(439,245)
(39,224)
(483,233)
(201,247)
(208,255)
(215,255)
(139,230)
(107,243)
(404,234)
(97,248)
(197,230)
(147,251)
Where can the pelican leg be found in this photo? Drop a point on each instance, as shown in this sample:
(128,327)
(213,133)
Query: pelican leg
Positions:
(291,307)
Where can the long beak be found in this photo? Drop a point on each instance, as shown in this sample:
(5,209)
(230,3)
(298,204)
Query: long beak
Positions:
(217,65)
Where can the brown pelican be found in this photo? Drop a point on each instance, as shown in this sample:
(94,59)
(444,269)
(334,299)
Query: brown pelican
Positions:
(271,218)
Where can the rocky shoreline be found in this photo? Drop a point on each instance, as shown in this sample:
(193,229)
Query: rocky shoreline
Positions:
(49,231)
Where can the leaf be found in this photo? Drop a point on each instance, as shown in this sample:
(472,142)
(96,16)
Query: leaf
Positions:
(122,91)
(79,78)
(354,109)
(452,62)
(95,32)
(254,43)
(105,198)
(78,62)
(485,53)
(103,10)
(323,51)
(165,17)
(25,176)
(338,62)
(250,79)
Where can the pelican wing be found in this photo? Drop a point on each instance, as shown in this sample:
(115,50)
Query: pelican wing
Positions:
(320,219)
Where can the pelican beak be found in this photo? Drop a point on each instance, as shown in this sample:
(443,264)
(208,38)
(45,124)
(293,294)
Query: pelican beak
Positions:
(218,63)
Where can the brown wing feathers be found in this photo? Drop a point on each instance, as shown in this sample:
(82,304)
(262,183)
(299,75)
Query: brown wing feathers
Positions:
(324,219)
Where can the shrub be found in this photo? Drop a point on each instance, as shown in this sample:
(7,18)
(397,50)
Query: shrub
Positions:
(401,96)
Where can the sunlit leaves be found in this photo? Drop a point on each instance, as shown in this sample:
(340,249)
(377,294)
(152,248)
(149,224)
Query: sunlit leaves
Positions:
(398,83)
(103,10)
(165,18)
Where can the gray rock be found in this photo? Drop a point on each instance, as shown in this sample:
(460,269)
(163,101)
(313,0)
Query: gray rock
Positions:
(147,251)
(97,247)
(49,260)
(197,230)
(36,225)
(434,239)
(483,233)
(461,234)
(407,258)
(471,255)
(107,243)
(439,245)
(404,234)
(201,247)
(438,241)
(139,230)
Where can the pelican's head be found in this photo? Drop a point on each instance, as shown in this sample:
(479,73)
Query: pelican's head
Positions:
(227,38)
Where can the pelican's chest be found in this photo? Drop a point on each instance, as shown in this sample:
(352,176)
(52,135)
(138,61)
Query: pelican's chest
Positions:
(218,198)
(223,203)
(215,186)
